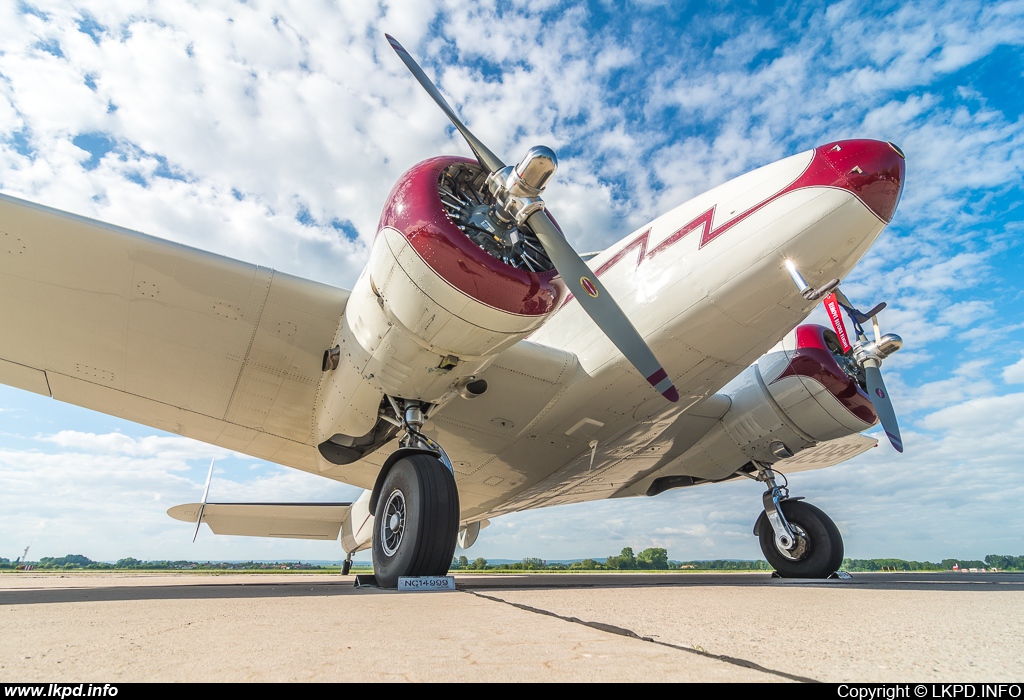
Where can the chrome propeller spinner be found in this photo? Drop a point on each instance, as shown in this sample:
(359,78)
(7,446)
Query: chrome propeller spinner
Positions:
(516,191)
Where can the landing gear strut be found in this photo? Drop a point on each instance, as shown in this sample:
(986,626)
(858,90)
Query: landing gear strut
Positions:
(416,521)
(797,539)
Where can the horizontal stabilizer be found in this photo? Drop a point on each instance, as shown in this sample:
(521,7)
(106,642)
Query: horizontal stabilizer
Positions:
(309,521)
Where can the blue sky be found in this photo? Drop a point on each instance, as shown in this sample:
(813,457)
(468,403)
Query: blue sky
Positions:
(273,131)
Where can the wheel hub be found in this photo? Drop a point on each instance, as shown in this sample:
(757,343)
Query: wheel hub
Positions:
(392,527)
(800,548)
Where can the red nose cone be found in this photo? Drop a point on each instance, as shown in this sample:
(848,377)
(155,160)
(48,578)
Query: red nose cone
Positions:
(872,170)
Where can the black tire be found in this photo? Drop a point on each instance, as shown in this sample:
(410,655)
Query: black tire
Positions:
(346,567)
(424,541)
(821,548)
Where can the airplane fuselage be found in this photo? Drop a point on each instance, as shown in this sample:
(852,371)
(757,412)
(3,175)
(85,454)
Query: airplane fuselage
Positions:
(706,286)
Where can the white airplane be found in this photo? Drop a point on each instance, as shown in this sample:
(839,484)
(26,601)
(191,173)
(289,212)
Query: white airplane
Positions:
(479,366)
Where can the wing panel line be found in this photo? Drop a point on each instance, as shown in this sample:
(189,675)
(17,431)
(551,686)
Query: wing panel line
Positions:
(262,274)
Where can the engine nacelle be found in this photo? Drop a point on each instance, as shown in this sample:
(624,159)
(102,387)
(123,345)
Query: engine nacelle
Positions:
(804,391)
(435,305)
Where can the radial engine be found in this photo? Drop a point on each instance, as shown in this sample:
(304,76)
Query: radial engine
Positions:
(806,390)
(449,285)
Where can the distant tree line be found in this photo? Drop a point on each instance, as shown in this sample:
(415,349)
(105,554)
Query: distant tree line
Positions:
(656,559)
(652,559)
(1002,562)
(899,565)
(78,561)
(726,565)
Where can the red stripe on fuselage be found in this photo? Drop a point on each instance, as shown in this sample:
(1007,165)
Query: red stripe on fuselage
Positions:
(884,165)
(702,222)
(640,242)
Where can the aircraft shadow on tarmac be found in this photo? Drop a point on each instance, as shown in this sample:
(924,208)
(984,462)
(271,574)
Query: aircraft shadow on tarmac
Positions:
(999,582)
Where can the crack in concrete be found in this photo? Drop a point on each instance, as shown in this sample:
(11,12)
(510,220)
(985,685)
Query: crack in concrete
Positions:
(623,632)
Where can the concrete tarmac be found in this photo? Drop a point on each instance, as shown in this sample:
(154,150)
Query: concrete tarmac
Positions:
(102,627)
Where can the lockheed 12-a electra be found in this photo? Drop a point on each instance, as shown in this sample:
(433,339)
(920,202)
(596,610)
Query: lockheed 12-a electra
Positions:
(480,366)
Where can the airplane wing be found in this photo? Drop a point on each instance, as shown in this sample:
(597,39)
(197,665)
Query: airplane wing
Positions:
(308,521)
(162,334)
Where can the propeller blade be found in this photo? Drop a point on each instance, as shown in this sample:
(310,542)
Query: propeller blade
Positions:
(202,505)
(883,405)
(483,154)
(877,392)
(599,304)
(843,298)
(856,314)
(595,299)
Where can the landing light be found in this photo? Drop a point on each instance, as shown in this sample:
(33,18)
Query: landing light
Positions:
(795,274)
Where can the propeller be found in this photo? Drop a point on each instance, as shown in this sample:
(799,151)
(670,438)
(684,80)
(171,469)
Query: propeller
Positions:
(869,355)
(517,191)
(202,505)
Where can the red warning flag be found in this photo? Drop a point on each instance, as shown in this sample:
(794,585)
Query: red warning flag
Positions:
(835,314)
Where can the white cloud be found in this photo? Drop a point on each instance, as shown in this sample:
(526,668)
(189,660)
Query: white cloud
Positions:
(943,392)
(106,496)
(966,313)
(173,448)
(972,420)
(1014,374)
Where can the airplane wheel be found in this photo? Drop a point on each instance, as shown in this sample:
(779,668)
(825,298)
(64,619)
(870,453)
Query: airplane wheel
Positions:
(346,567)
(416,522)
(819,549)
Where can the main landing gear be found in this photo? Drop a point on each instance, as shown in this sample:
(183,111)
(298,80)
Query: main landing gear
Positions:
(416,519)
(797,539)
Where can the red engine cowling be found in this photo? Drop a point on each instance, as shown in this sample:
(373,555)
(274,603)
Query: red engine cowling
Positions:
(432,307)
(804,391)
(415,211)
(813,357)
